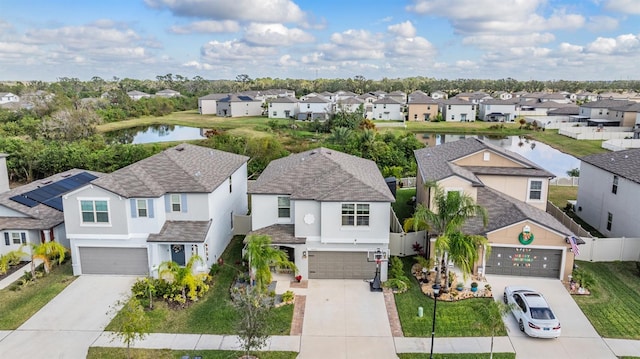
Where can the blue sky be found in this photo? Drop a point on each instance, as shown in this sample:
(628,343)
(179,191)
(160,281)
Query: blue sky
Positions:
(219,39)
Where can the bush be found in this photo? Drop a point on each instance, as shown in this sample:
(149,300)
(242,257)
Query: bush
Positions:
(214,270)
(396,270)
(397,285)
(288,296)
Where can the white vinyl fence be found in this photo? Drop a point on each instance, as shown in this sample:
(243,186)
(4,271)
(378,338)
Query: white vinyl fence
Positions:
(609,249)
(597,133)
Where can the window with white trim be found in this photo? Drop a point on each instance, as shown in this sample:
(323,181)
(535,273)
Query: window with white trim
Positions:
(614,187)
(141,208)
(355,214)
(535,190)
(609,220)
(18,238)
(94,211)
(230,185)
(176,203)
(284,207)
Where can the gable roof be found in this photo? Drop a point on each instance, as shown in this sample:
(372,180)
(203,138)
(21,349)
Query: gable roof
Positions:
(39,216)
(606,103)
(436,163)
(238,98)
(387,101)
(457,101)
(213,96)
(419,97)
(504,210)
(316,99)
(184,168)
(284,99)
(624,163)
(324,174)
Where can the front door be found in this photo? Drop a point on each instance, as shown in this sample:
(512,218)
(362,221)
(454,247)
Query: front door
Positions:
(177,254)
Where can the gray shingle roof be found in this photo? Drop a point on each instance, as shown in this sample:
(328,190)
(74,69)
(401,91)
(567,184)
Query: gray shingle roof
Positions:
(435,163)
(606,103)
(213,96)
(40,216)
(387,100)
(624,163)
(182,232)
(420,98)
(316,99)
(457,101)
(324,174)
(279,233)
(504,210)
(285,99)
(184,168)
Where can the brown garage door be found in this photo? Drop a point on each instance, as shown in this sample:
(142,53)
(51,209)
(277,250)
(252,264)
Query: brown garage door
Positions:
(523,261)
(106,260)
(340,265)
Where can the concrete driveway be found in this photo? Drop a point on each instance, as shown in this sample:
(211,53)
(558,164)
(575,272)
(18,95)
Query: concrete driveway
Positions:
(578,339)
(68,324)
(344,319)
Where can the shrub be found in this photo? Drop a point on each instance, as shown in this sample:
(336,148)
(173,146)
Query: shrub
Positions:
(396,270)
(288,296)
(397,284)
(214,270)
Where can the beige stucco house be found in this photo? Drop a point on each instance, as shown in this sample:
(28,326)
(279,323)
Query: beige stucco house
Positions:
(421,107)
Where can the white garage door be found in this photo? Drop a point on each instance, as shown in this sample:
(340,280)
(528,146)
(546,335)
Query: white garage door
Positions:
(523,261)
(106,260)
(340,265)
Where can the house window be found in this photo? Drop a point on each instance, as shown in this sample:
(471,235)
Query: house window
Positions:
(308,105)
(609,220)
(614,187)
(230,185)
(176,203)
(449,107)
(453,117)
(355,214)
(486,156)
(535,190)
(94,211)
(18,238)
(231,218)
(284,207)
(380,115)
(275,113)
(141,205)
(415,116)
(428,107)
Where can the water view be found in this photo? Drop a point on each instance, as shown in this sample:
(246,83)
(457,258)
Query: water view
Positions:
(543,155)
(156,133)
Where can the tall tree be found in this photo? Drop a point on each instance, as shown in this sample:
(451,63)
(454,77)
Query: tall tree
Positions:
(261,255)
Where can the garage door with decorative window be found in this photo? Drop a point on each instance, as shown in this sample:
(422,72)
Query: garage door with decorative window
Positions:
(340,265)
(521,261)
(107,260)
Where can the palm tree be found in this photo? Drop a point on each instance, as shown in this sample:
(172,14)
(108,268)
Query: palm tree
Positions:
(463,251)
(261,255)
(450,212)
(47,252)
(184,277)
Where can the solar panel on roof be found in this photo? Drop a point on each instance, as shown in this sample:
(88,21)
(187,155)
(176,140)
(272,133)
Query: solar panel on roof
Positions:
(55,203)
(24,200)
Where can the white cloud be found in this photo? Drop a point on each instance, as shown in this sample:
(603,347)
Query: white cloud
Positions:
(82,37)
(286,60)
(16,50)
(491,41)
(235,50)
(359,39)
(411,49)
(275,35)
(602,23)
(207,26)
(570,49)
(284,11)
(197,65)
(314,58)
(620,45)
(623,6)
(403,29)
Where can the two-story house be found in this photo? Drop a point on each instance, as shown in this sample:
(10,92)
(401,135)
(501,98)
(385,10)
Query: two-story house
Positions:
(208,105)
(457,110)
(315,107)
(387,108)
(238,105)
(498,110)
(284,107)
(328,209)
(609,192)
(168,207)
(33,213)
(421,107)
(525,240)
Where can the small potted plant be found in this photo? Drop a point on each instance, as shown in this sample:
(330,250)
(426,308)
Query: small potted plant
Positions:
(298,278)
(474,286)
(459,286)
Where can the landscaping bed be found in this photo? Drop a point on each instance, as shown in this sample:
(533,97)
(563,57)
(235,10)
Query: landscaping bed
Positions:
(13,269)
(119,353)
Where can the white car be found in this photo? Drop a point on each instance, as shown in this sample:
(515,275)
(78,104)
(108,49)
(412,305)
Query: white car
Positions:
(532,312)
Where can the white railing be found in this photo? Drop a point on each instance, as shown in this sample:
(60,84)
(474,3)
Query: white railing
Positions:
(565,181)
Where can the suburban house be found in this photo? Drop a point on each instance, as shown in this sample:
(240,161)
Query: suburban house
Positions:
(208,105)
(32,213)
(368,100)
(421,107)
(555,97)
(387,108)
(498,110)
(6,97)
(458,110)
(603,112)
(168,93)
(329,210)
(236,105)
(283,107)
(349,105)
(439,95)
(525,240)
(609,192)
(586,96)
(627,115)
(315,108)
(168,207)
(136,95)
(343,95)
(398,96)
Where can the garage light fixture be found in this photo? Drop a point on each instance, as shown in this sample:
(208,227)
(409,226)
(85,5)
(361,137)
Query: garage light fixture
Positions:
(304,254)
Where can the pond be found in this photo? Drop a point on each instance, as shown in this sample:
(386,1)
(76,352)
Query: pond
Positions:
(155,133)
(545,156)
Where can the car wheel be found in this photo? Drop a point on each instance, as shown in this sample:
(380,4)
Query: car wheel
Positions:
(521,325)
(504,298)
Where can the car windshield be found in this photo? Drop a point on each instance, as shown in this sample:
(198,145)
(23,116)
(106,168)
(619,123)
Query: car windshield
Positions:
(542,313)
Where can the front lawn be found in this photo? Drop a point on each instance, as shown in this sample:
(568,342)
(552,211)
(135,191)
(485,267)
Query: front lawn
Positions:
(464,318)
(457,355)
(19,305)
(214,313)
(119,353)
(559,195)
(614,304)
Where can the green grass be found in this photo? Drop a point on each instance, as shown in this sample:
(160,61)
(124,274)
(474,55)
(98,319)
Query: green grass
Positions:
(559,195)
(614,304)
(568,145)
(119,353)
(457,355)
(214,313)
(18,306)
(464,318)
(402,207)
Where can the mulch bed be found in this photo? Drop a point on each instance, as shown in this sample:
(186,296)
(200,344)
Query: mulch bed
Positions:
(13,269)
